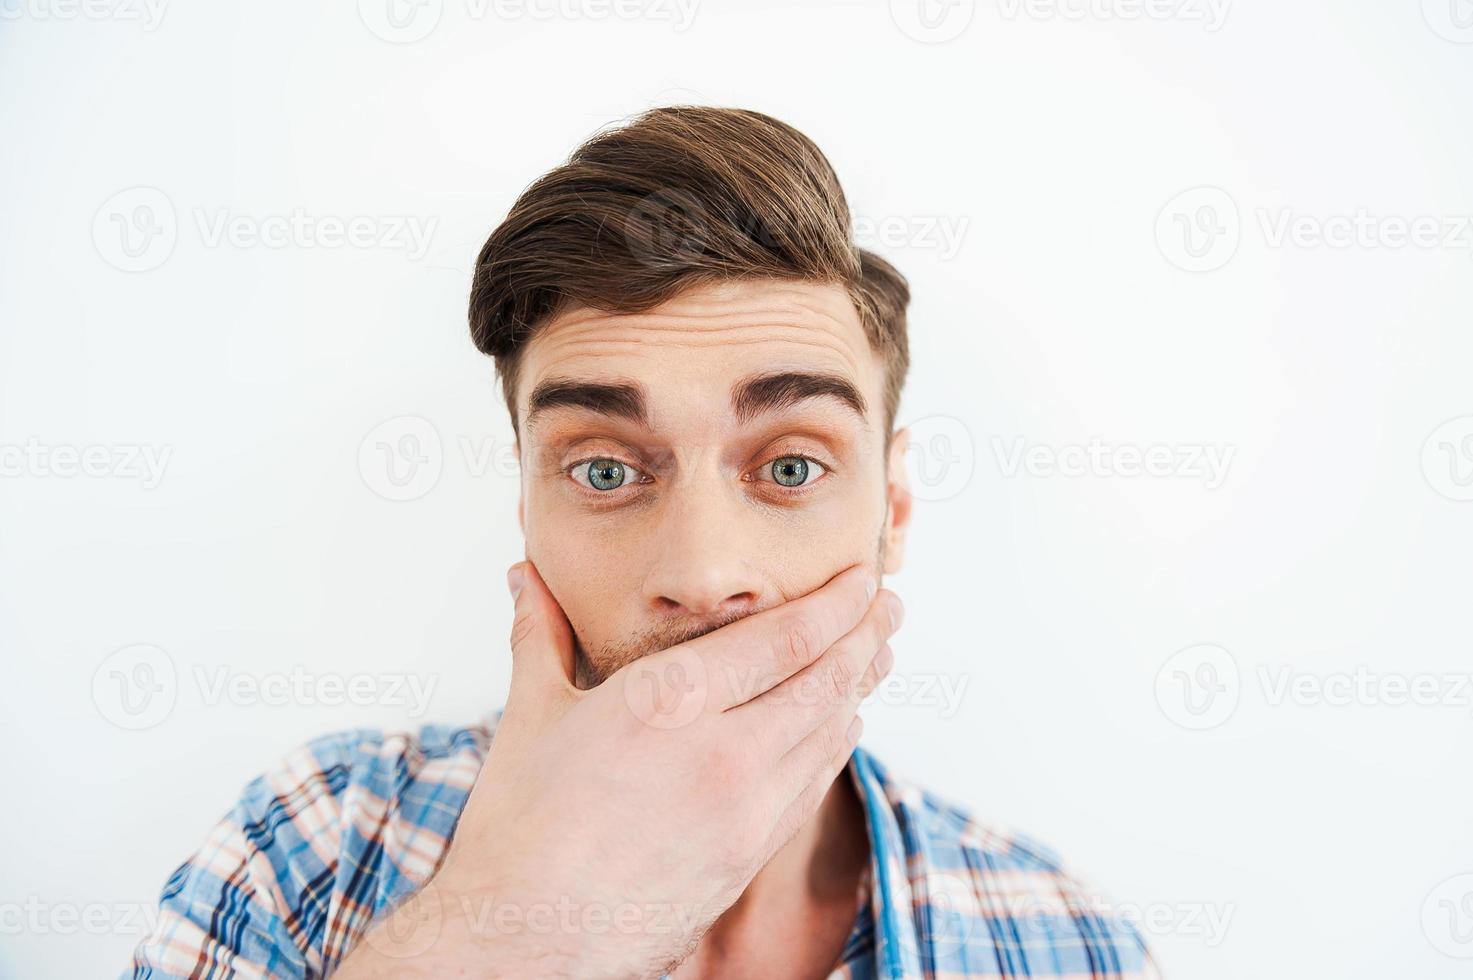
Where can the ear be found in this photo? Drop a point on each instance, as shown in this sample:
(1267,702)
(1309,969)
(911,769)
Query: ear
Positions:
(897,516)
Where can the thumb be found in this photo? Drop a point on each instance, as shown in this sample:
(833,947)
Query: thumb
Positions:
(541,638)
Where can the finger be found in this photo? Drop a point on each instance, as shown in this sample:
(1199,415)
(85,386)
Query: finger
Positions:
(787,713)
(747,658)
(837,741)
(797,767)
(541,640)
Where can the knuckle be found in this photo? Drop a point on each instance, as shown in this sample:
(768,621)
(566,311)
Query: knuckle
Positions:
(840,678)
(799,641)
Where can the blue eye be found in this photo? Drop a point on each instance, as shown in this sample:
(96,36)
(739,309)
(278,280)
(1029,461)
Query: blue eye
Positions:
(794,471)
(605,474)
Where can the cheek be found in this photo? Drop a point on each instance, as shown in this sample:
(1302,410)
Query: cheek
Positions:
(594,563)
(803,547)
(585,561)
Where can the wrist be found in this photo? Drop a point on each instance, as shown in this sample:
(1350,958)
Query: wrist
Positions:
(438,931)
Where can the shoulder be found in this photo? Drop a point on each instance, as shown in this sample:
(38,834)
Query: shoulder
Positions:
(370,766)
(313,847)
(386,800)
(989,898)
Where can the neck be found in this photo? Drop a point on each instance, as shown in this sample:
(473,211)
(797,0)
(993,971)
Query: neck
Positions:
(825,859)
(804,898)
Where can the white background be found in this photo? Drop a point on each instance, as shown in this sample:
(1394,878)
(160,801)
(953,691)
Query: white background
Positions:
(1054,143)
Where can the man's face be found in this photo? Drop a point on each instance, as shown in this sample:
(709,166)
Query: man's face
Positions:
(672,486)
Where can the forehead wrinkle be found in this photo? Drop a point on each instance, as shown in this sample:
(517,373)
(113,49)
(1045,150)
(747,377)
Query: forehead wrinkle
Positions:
(771,299)
(601,348)
(692,315)
(800,319)
(596,343)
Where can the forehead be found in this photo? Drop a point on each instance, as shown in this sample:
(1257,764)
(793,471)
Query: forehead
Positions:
(688,353)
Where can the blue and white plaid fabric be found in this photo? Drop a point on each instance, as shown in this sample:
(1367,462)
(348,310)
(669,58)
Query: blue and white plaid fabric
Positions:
(289,880)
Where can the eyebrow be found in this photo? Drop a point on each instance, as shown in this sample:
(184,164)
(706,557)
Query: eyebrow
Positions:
(772,392)
(625,400)
(750,397)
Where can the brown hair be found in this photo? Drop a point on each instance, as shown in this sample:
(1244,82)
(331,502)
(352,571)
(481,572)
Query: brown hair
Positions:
(678,197)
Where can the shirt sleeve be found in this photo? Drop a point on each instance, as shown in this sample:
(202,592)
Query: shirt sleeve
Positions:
(253,899)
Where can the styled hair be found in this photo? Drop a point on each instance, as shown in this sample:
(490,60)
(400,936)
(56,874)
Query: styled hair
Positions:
(676,198)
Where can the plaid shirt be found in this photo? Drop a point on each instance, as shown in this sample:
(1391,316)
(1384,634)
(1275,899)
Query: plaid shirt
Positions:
(292,876)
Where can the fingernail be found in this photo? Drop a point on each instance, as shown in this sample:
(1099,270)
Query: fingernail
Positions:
(895,614)
(515,576)
(870,585)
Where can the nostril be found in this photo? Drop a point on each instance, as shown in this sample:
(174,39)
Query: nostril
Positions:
(728,610)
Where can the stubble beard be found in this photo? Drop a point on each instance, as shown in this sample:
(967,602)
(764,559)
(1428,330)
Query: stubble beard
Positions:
(591,671)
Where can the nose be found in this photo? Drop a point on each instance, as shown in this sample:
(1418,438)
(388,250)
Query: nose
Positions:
(704,570)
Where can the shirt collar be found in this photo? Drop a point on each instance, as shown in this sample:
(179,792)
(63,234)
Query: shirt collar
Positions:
(897,947)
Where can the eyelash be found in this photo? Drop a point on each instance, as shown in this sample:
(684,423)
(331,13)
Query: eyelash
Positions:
(791,493)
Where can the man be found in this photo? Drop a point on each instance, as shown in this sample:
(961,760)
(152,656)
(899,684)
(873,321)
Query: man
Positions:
(703,373)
